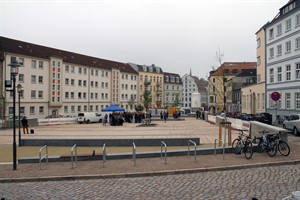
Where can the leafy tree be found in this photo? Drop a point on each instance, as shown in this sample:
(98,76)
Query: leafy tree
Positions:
(176,101)
(139,108)
(147,99)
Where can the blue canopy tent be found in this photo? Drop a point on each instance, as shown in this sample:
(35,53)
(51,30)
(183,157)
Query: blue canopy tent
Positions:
(113,108)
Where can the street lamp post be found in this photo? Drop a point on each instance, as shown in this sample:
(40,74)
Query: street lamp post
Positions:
(19,90)
(250,101)
(14,69)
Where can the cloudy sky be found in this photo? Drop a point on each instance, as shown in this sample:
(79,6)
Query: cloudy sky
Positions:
(177,35)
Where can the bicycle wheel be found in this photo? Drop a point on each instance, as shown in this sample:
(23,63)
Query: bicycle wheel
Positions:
(284,148)
(236,145)
(272,149)
(257,145)
(248,149)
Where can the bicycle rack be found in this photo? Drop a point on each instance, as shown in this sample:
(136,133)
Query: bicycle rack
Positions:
(161,150)
(215,152)
(104,154)
(45,156)
(134,153)
(73,154)
(190,141)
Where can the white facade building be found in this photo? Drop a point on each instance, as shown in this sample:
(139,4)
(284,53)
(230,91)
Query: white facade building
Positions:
(283,60)
(58,82)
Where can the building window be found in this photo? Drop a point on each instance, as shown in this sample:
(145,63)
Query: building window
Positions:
(79,83)
(96,71)
(288,25)
(72,82)
(288,72)
(72,69)
(33,94)
(33,79)
(72,109)
(84,83)
(297,43)
(279,74)
(84,71)
(272,75)
(288,46)
(79,70)
(297,100)
(21,61)
(258,42)
(32,110)
(298,20)
(279,50)
(85,108)
(53,63)
(67,68)
(258,63)
(298,70)
(41,65)
(79,108)
(271,52)
(72,95)
(66,81)
(279,29)
(65,109)
(40,80)
(288,100)
(67,95)
(21,78)
(41,109)
(33,64)
(79,95)
(271,33)
(40,94)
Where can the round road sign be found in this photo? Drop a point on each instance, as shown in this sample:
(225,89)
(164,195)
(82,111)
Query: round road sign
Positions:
(275,96)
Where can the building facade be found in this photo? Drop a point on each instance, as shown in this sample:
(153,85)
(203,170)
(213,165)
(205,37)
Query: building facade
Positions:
(192,84)
(283,60)
(219,87)
(58,82)
(254,95)
(173,89)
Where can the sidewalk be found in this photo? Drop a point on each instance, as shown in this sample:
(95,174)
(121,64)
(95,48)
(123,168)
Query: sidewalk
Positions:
(145,166)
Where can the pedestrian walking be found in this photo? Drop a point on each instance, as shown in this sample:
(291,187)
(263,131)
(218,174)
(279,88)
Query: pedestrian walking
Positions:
(165,116)
(24,122)
(105,120)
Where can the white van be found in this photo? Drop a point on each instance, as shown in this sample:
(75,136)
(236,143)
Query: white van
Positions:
(89,117)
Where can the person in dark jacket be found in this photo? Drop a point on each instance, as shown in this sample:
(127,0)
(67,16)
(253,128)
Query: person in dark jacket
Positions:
(24,122)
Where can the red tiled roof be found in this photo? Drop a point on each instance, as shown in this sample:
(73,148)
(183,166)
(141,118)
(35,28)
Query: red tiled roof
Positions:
(28,49)
(233,66)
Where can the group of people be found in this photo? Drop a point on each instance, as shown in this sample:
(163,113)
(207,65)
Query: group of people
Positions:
(199,114)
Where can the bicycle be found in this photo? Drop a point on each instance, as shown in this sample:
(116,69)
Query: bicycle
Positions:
(270,144)
(243,144)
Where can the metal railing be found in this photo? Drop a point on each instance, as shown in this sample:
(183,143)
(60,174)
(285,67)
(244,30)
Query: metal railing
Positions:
(134,153)
(215,152)
(161,150)
(103,155)
(73,154)
(195,145)
(43,157)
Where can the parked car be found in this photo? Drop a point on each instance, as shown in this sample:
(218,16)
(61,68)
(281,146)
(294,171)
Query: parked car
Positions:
(263,118)
(293,124)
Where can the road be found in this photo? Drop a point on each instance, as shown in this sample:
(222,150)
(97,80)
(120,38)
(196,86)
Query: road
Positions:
(263,183)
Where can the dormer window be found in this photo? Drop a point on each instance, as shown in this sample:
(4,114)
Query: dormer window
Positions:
(167,78)
(144,68)
(177,79)
(157,69)
(150,69)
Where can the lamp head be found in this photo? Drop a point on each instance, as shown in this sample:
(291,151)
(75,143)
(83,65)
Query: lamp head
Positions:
(19,88)
(14,67)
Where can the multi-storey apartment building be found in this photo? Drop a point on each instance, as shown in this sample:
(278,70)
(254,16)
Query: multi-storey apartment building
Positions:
(283,60)
(151,79)
(192,84)
(217,84)
(254,95)
(173,89)
(58,82)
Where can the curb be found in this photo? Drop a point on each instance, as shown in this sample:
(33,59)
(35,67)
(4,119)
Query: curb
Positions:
(147,174)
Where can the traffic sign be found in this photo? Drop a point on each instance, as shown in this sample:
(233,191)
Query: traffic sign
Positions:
(275,96)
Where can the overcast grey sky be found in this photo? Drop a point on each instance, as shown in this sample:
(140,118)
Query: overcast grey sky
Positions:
(177,35)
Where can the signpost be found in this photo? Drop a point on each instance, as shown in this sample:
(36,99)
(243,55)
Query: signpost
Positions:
(275,96)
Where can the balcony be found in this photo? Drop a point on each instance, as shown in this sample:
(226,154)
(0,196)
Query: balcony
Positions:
(146,82)
(158,83)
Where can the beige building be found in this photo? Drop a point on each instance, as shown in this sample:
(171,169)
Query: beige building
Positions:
(58,82)
(219,87)
(253,97)
(172,89)
(151,79)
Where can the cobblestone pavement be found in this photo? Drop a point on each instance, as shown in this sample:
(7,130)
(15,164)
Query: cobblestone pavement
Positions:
(263,183)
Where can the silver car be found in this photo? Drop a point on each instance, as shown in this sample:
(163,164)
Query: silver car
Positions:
(293,123)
